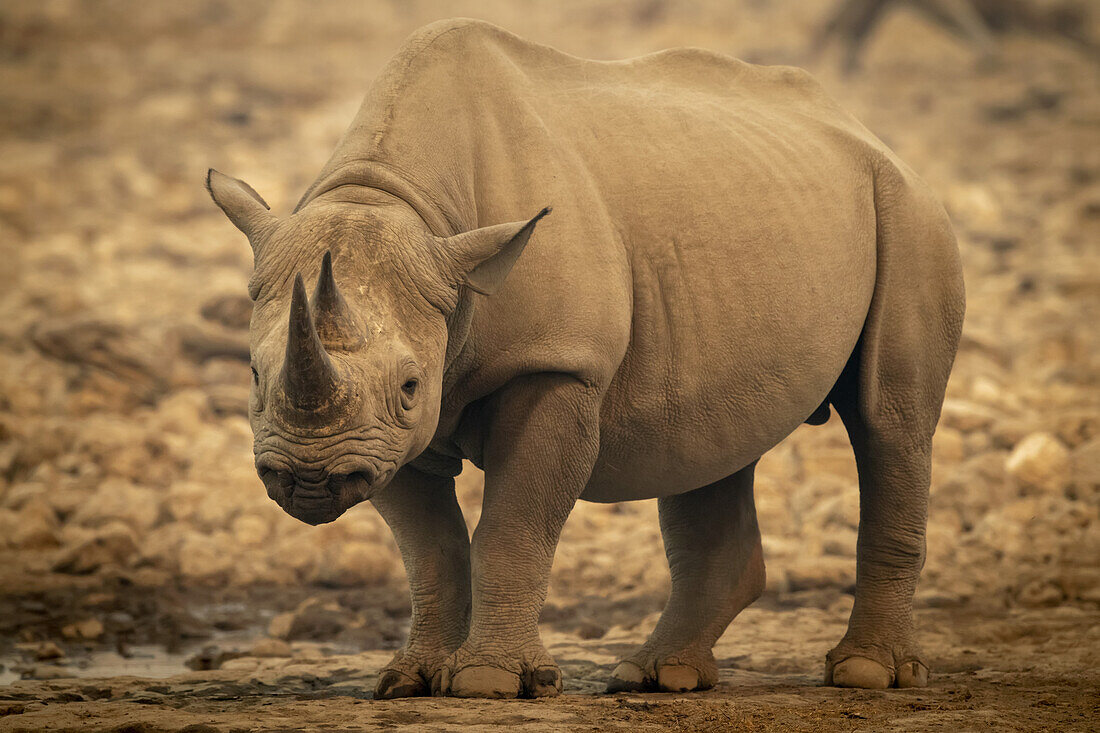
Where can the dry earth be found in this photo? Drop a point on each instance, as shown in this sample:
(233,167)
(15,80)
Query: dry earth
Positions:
(135,537)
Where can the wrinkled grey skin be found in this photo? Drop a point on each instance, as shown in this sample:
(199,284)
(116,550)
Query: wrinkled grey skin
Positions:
(730,254)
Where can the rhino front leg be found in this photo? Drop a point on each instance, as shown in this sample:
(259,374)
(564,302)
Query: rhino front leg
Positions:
(427,524)
(540,446)
(713,545)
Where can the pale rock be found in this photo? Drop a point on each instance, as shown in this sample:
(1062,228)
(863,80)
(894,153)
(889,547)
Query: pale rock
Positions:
(161,546)
(21,492)
(988,392)
(47,650)
(1090,594)
(966,416)
(1082,583)
(1076,426)
(297,553)
(183,412)
(206,557)
(841,511)
(9,521)
(89,629)
(35,531)
(113,546)
(977,442)
(840,541)
(38,507)
(241,664)
(1005,434)
(72,534)
(775,545)
(185,498)
(1039,461)
(271,648)
(224,502)
(65,501)
(121,500)
(255,569)
(1040,593)
(315,619)
(279,627)
(1004,537)
(357,564)
(948,445)
(1085,466)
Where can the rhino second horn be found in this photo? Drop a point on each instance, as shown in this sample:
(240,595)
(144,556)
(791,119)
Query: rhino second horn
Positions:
(336,324)
(309,378)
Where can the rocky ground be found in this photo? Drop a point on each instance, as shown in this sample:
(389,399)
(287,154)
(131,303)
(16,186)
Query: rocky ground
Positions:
(136,541)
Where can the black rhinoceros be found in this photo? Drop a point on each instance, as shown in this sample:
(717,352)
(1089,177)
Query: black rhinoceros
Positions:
(729,254)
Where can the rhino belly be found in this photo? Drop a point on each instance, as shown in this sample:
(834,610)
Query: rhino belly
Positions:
(726,360)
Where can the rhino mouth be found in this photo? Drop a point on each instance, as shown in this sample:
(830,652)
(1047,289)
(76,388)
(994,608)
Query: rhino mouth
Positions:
(318,501)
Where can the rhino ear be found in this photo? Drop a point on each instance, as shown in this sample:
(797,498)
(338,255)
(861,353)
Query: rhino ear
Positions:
(240,202)
(482,258)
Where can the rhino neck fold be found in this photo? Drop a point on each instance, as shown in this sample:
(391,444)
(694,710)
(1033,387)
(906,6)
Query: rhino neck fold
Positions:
(441,219)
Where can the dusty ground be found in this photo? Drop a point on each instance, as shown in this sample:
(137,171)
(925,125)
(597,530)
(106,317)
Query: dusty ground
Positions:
(135,538)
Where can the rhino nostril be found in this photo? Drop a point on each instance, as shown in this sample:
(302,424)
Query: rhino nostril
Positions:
(364,474)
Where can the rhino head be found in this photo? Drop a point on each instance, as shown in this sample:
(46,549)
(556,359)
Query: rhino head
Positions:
(347,381)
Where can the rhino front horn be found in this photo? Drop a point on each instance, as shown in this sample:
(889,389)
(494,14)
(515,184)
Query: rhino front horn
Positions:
(309,378)
(336,323)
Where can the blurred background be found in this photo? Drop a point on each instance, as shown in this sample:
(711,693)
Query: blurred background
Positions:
(135,537)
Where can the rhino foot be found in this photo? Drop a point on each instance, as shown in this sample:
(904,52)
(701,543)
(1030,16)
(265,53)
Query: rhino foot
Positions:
(468,673)
(858,669)
(650,672)
(408,675)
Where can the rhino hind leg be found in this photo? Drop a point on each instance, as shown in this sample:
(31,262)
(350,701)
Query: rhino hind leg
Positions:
(713,545)
(880,649)
(889,398)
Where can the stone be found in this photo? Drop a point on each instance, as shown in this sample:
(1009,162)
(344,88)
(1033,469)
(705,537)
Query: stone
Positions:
(121,500)
(88,630)
(270,648)
(1039,593)
(315,619)
(588,629)
(212,656)
(966,416)
(1085,466)
(1039,461)
(114,547)
(46,651)
(9,522)
(254,569)
(1076,426)
(206,557)
(357,564)
(250,530)
(280,625)
(948,445)
(297,553)
(35,533)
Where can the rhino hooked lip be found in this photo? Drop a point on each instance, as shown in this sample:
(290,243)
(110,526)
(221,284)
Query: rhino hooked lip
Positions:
(318,498)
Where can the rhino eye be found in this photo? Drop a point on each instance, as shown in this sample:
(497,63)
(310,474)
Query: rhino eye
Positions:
(409,387)
(255,375)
